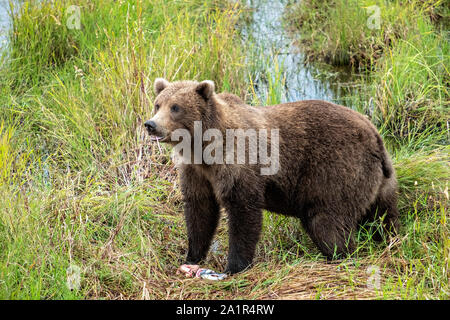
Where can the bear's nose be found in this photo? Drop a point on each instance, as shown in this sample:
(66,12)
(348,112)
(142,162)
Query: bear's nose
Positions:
(150,125)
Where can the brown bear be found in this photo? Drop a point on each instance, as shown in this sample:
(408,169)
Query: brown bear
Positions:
(332,171)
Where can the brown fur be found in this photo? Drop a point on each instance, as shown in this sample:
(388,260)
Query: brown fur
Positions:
(334,172)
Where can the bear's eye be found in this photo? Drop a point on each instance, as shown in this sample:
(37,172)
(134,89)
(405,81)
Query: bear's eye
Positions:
(175,108)
(156,107)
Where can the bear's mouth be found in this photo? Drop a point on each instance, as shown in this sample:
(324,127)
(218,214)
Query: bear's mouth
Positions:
(159,138)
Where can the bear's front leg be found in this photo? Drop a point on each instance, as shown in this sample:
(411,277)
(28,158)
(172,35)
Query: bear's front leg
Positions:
(201,216)
(201,213)
(244,227)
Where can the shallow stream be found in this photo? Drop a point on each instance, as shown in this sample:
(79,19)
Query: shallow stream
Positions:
(4,22)
(278,66)
(278,70)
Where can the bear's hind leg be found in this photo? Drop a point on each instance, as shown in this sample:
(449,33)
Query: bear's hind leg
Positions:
(333,237)
(385,206)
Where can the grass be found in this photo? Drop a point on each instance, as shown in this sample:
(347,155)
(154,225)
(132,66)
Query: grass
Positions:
(407,56)
(81,182)
(403,88)
(81,185)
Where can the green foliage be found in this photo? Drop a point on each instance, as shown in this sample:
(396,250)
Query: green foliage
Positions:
(404,80)
(80,181)
(81,184)
(408,55)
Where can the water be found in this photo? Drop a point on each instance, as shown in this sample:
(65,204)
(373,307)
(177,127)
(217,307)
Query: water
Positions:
(5,22)
(276,62)
(281,63)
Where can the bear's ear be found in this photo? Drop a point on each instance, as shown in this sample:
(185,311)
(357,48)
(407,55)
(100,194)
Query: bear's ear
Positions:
(160,85)
(205,89)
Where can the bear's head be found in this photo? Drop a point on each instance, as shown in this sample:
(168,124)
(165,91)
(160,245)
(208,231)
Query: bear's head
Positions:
(178,105)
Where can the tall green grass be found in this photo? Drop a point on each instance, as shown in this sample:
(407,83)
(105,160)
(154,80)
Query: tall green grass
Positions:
(408,56)
(80,182)
(412,80)
(403,77)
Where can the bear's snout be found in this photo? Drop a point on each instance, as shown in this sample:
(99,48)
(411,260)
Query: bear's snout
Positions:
(150,125)
(156,130)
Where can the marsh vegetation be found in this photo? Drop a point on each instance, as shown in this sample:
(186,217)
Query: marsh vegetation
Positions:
(82,184)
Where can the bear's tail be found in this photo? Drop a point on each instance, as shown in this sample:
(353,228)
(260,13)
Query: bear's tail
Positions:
(386,163)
